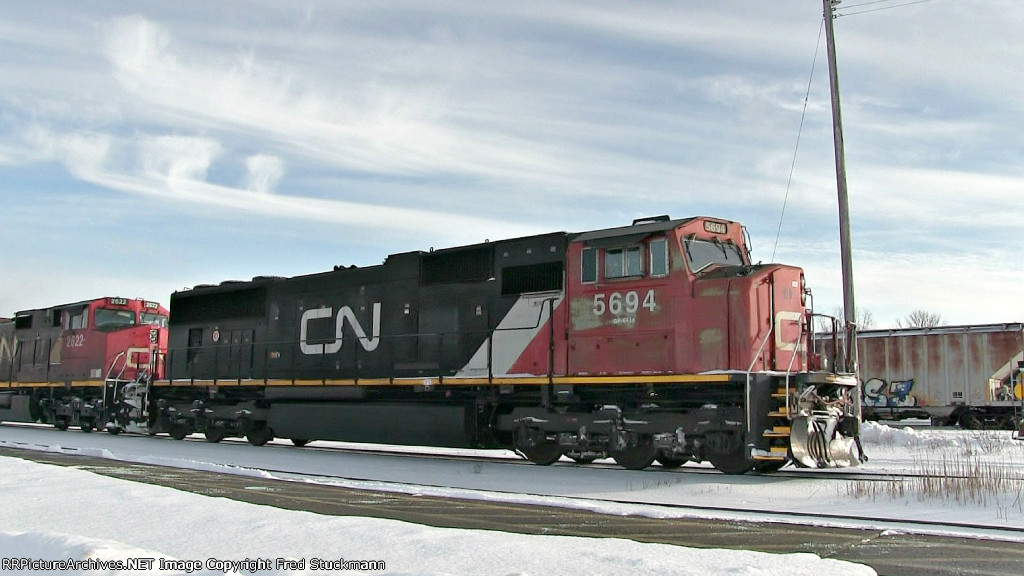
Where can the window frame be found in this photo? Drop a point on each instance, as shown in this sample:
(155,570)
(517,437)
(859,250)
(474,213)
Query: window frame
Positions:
(624,254)
(663,241)
(589,254)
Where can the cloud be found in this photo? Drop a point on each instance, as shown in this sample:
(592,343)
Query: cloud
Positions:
(264,172)
(176,168)
(177,159)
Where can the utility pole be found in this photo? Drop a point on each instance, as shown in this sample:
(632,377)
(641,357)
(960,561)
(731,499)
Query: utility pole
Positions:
(844,203)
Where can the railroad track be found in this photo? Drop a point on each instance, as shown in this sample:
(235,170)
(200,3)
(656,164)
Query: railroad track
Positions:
(848,474)
(748,513)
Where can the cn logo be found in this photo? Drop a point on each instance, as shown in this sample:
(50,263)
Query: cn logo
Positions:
(345,315)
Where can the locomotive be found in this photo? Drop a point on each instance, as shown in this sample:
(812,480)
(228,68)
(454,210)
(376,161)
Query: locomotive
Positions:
(63,365)
(658,341)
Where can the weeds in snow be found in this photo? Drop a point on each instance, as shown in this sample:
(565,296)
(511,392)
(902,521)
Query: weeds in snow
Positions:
(962,475)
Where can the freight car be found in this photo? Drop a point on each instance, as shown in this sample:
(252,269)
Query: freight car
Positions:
(966,375)
(64,365)
(657,341)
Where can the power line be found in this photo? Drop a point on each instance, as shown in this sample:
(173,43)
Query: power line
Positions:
(792,167)
(864,4)
(841,13)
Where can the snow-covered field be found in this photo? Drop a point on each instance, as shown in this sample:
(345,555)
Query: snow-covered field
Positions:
(54,513)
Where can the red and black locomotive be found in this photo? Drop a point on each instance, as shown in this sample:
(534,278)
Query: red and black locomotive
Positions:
(658,341)
(65,365)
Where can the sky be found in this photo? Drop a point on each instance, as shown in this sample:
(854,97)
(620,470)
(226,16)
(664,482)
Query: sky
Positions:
(35,525)
(147,147)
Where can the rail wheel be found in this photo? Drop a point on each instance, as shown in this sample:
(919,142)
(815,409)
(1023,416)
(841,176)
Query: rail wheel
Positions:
(545,453)
(582,459)
(300,442)
(734,462)
(179,431)
(86,424)
(215,434)
(637,454)
(60,423)
(260,436)
(113,430)
(971,421)
(667,461)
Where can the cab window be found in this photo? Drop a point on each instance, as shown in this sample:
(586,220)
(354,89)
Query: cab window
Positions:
(588,271)
(153,319)
(76,319)
(659,257)
(110,319)
(622,262)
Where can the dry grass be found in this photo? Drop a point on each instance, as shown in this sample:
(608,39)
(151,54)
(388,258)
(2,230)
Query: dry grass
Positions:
(967,475)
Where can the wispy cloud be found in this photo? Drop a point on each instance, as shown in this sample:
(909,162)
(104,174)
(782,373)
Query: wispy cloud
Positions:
(418,124)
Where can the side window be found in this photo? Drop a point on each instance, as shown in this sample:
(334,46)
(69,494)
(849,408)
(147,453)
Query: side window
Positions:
(588,273)
(659,257)
(622,262)
(77,321)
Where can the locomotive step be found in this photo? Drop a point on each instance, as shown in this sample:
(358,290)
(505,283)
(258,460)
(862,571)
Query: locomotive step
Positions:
(781,412)
(775,454)
(778,432)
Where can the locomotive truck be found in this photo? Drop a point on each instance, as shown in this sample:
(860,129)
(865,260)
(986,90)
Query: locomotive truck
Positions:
(658,341)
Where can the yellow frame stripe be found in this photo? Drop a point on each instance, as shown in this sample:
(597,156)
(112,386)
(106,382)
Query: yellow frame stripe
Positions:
(74,384)
(459,381)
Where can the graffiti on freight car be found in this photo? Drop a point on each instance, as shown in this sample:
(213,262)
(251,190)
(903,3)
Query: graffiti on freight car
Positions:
(878,392)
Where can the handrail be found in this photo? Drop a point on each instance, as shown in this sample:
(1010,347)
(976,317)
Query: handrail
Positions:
(750,369)
(109,371)
(789,369)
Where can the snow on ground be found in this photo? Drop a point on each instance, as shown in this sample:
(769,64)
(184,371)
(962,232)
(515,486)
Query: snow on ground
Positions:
(156,521)
(56,514)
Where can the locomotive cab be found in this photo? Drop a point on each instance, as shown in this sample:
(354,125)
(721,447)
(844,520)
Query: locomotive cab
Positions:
(681,298)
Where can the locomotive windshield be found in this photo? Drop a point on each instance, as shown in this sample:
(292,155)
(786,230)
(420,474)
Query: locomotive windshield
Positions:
(703,253)
(109,319)
(153,319)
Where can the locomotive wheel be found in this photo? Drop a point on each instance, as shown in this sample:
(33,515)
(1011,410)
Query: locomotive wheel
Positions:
(215,434)
(734,462)
(60,423)
(179,431)
(113,430)
(86,425)
(300,442)
(543,454)
(670,461)
(260,436)
(638,456)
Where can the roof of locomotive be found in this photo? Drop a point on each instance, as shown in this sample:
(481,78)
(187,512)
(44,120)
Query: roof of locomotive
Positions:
(61,306)
(643,227)
(640,228)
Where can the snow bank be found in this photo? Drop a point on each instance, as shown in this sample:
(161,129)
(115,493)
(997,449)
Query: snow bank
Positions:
(120,520)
